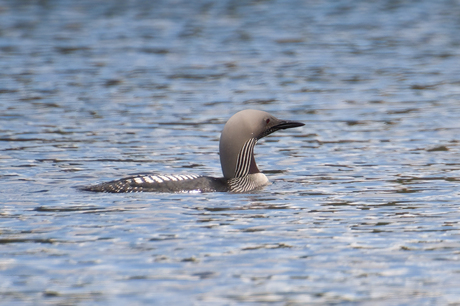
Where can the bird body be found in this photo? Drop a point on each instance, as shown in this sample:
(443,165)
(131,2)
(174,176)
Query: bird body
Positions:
(236,148)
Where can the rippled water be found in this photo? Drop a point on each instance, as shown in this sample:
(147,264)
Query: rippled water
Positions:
(363,205)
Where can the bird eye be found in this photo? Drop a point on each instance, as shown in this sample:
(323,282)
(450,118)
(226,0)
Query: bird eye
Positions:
(267,121)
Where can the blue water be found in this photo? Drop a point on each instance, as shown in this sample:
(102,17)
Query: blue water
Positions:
(363,205)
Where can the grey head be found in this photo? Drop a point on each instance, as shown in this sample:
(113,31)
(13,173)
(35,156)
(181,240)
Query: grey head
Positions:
(240,135)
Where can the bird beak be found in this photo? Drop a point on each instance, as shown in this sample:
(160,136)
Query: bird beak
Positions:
(287,124)
(281,125)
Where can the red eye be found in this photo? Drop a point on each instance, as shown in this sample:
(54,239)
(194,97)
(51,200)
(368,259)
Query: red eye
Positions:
(267,121)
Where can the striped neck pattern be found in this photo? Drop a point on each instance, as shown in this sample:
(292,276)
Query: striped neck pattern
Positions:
(241,184)
(243,163)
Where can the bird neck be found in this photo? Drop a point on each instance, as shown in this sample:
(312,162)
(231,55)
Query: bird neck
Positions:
(253,167)
(247,183)
(245,162)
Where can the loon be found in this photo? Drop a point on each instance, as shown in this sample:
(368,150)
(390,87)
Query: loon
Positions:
(236,148)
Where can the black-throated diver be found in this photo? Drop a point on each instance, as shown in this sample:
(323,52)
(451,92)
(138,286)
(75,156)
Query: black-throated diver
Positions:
(236,148)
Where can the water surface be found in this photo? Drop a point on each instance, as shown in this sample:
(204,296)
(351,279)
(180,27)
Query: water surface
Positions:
(363,205)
